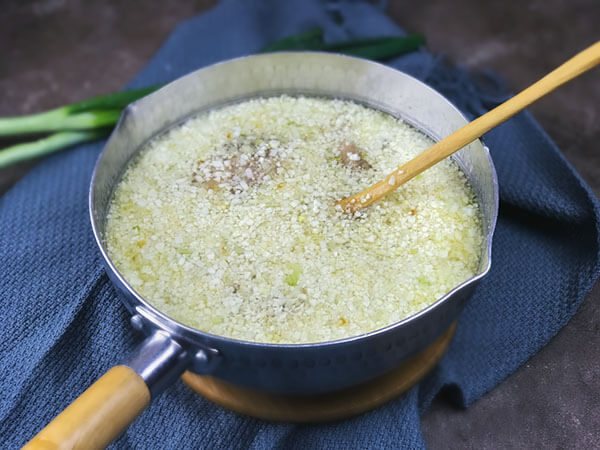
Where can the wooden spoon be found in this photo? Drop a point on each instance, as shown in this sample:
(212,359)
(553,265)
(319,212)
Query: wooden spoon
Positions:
(574,67)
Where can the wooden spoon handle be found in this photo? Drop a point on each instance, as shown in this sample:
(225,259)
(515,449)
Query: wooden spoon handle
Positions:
(99,415)
(574,67)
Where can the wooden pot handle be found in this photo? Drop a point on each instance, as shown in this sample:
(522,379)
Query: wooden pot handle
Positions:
(99,415)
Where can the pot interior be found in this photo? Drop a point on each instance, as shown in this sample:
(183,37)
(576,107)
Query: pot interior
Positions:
(309,74)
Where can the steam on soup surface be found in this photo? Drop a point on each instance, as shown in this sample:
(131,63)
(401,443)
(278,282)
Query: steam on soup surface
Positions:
(227,223)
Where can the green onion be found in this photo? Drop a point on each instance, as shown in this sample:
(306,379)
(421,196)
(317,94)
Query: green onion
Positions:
(112,101)
(41,147)
(93,113)
(57,120)
(292,278)
(311,39)
(93,118)
(378,48)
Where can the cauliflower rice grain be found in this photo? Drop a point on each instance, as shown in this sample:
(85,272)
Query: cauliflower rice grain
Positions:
(227,223)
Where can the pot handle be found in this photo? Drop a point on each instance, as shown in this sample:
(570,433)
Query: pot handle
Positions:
(99,415)
(109,405)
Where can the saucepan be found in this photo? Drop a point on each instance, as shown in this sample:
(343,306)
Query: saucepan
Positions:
(171,348)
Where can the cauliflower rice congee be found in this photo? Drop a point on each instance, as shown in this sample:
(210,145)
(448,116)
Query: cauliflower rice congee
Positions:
(227,223)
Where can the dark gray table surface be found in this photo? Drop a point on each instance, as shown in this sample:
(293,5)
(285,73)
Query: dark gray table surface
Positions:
(60,51)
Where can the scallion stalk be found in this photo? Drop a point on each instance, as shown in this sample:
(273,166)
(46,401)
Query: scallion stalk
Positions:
(58,119)
(49,144)
(92,113)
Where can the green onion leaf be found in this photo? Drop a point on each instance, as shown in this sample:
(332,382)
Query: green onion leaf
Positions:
(292,278)
(311,39)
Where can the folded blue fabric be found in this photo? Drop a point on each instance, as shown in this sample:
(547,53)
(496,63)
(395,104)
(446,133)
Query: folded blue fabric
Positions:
(63,324)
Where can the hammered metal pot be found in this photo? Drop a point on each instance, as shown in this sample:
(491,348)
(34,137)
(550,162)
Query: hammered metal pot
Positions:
(171,347)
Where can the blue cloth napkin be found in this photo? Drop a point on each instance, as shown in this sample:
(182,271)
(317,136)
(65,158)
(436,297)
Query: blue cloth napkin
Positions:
(63,324)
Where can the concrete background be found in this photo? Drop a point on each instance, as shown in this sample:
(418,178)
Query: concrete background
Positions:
(60,51)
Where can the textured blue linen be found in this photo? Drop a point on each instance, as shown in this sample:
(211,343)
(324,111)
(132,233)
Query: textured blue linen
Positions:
(63,324)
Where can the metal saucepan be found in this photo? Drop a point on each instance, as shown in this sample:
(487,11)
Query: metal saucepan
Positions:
(171,348)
